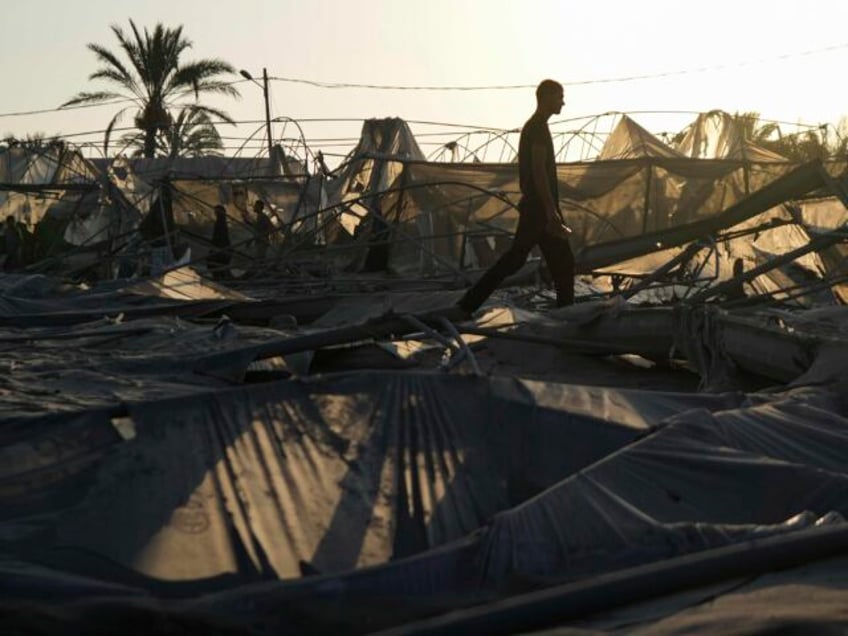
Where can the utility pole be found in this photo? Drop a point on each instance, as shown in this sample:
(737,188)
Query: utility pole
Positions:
(267,114)
(264,87)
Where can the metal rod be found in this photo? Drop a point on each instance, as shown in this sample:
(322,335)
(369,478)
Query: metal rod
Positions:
(461,343)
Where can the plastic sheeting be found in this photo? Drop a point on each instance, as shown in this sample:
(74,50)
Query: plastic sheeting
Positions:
(693,484)
(176,488)
(107,363)
(336,474)
(34,300)
(717,135)
(629,140)
(602,201)
(454,215)
(49,165)
(773,466)
(445,217)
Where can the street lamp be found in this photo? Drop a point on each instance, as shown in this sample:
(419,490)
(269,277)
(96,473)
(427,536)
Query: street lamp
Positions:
(264,87)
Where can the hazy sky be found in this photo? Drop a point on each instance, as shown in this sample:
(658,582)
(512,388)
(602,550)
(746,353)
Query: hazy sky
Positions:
(754,53)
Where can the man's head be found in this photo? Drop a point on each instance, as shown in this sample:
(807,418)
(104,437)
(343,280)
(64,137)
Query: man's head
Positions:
(549,97)
(259,206)
(10,221)
(220,210)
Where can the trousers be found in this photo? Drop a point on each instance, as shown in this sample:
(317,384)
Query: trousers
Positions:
(531,232)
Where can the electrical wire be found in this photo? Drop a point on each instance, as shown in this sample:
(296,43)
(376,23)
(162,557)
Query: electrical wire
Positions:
(111,102)
(59,109)
(609,80)
(496,87)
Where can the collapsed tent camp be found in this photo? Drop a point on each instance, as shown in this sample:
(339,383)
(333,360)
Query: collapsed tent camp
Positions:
(244,417)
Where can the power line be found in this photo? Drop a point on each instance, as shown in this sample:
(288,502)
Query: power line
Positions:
(610,80)
(320,84)
(56,110)
(716,67)
(59,109)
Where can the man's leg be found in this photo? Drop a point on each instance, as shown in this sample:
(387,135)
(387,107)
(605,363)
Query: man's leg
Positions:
(560,260)
(530,225)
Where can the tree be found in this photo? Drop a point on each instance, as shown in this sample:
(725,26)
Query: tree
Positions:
(191,134)
(749,125)
(155,81)
(813,143)
(34,141)
(839,138)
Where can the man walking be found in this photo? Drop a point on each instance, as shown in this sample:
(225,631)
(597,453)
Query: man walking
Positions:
(539,220)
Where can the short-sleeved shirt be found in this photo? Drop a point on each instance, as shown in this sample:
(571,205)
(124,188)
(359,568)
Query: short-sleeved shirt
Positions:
(535,132)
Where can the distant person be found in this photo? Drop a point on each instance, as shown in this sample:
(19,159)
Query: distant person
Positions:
(158,230)
(539,222)
(737,290)
(218,260)
(262,228)
(47,238)
(13,244)
(27,244)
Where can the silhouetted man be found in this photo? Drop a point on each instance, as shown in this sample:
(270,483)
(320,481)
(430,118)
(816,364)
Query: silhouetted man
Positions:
(539,222)
(14,245)
(218,260)
(262,228)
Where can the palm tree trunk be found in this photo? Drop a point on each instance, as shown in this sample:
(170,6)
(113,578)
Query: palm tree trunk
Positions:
(150,143)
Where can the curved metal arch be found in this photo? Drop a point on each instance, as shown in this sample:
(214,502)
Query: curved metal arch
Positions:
(475,152)
(307,151)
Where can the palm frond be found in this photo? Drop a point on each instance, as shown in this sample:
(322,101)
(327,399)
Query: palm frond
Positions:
(132,144)
(201,77)
(112,62)
(112,75)
(109,128)
(208,112)
(136,51)
(91,98)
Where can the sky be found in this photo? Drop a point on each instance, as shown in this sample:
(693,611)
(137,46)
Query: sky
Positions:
(785,60)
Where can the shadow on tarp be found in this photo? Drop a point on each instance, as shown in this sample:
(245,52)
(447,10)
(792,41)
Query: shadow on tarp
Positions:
(323,475)
(702,482)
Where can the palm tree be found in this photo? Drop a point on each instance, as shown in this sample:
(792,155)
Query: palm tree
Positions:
(191,134)
(155,81)
(753,131)
(34,141)
(813,143)
(839,139)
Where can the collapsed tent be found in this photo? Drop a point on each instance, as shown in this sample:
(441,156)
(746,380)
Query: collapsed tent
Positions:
(448,217)
(316,444)
(716,135)
(629,140)
(339,473)
(27,174)
(386,209)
